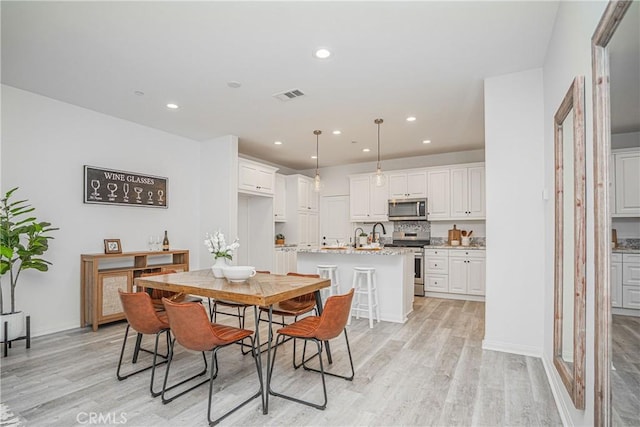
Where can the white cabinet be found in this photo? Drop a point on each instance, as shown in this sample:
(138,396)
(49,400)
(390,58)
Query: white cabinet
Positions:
(438,190)
(616,280)
(436,270)
(256,178)
(467,192)
(280,199)
(631,281)
(626,183)
(367,202)
(467,272)
(408,185)
(302,225)
(286,261)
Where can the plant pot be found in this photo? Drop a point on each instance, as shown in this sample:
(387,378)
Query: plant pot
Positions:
(218,267)
(15,323)
(279,241)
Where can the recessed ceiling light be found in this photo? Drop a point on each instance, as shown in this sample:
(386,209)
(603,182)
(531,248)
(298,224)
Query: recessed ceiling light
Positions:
(234,84)
(278,143)
(365,150)
(139,92)
(426,141)
(337,132)
(314,157)
(322,53)
(172,106)
(411,119)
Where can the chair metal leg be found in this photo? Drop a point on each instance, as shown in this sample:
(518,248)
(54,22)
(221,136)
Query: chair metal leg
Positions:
(213,422)
(165,389)
(348,378)
(152,366)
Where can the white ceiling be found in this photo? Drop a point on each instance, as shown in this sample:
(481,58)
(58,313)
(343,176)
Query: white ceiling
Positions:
(390,60)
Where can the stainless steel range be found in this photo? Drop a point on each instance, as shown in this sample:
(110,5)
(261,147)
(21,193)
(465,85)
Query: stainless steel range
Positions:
(416,241)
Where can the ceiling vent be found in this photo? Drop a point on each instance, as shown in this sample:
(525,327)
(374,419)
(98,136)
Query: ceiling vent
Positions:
(289,95)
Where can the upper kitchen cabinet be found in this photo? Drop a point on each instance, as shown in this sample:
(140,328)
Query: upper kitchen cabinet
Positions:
(626,163)
(280,199)
(368,203)
(256,178)
(468,192)
(438,190)
(408,184)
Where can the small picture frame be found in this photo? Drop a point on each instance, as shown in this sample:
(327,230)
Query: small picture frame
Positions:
(112,246)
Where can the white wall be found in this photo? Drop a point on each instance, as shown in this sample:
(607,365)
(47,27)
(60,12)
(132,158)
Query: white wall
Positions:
(569,55)
(45,144)
(514,147)
(625,140)
(218,192)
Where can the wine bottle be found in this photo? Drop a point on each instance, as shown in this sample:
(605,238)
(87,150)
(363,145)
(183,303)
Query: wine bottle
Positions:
(165,242)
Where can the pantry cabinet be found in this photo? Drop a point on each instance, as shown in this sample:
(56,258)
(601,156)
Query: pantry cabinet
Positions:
(468,192)
(280,199)
(367,202)
(302,225)
(408,185)
(256,178)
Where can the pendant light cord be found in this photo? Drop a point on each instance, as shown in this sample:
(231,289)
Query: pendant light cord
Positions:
(317,134)
(378,122)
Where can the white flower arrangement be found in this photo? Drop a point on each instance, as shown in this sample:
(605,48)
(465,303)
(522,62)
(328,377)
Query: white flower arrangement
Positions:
(218,246)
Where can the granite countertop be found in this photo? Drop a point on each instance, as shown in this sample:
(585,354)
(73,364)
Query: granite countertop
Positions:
(626,250)
(286,245)
(471,247)
(352,251)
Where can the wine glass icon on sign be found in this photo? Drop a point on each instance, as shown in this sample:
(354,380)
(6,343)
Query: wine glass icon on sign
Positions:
(125,190)
(138,191)
(160,195)
(150,197)
(112,187)
(95,184)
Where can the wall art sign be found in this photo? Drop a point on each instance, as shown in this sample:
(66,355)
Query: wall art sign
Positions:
(115,187)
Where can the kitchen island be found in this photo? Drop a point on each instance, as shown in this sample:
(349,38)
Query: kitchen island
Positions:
(394,273)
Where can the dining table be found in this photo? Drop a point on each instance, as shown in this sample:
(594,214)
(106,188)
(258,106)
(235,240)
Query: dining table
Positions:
(261,290)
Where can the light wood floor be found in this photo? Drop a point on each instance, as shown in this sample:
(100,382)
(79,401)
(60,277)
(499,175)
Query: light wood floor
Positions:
(625,378)
(429,371)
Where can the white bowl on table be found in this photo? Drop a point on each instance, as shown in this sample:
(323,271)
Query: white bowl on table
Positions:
(238,273)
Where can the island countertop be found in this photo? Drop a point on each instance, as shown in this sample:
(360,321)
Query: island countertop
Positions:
(352,251)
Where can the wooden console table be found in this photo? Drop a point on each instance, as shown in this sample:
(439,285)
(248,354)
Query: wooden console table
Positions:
(101,275)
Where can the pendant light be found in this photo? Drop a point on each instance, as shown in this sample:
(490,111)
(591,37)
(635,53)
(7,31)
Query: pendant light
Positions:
(317,184)
(380,178)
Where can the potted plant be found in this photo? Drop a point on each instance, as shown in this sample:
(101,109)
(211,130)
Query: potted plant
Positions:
(23,240)
(279,239)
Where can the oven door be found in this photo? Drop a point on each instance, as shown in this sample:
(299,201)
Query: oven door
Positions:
(418,281)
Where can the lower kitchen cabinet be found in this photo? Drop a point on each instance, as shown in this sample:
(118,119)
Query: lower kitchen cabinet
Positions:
(467,272)
(616,280)
(286,261)
(455,271)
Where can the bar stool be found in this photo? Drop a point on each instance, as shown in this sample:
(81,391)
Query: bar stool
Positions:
(327,271)
(364,284)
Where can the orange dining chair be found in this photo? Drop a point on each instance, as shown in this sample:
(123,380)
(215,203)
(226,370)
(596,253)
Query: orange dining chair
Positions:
(193,330)
(328,325)
(144,319)
(158,294)
(241,308)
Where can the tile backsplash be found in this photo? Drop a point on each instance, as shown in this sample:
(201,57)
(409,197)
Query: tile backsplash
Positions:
(629,243)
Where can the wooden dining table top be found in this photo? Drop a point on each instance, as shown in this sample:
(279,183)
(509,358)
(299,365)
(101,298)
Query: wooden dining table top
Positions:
(263,289)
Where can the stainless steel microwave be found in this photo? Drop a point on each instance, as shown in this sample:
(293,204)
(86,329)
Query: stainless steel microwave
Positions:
(408,210)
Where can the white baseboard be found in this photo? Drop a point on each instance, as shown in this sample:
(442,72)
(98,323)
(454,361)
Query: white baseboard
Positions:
(446,295)
(525,350)
(556,387)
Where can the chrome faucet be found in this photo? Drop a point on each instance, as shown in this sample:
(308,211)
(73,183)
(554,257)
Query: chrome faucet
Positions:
(355,236)
(373,232)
